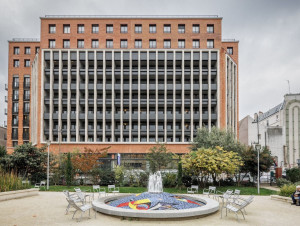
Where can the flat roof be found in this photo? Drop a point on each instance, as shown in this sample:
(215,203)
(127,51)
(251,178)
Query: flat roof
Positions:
(24,40)
(131,17)
(230,40)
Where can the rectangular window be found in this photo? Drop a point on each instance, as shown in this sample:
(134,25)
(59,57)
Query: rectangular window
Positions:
(15,107)
(27,50)
(95,28)
(26,120)
(138,43)
(15,135)
(196,28)
(210,43)
(210,28)
(124,43)
(16,63)
(181,43)
(26,82)
(80,43)
(181,28)
(26,63)
(51,43)
(66,43)
(124,28)
(167,28)
(196,43)
(15,94)
(152,28)
(109,28)
(138,28)
(80,28)
(52,28)
(26,94)
(15,120)
(167,43)
(16,50)
(16,82)
(109,43)
(95,43)
(152,43)
(230,50)
(37,49)
(66,28)
(26,107)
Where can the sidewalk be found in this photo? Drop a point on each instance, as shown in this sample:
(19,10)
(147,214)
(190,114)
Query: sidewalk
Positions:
(273,188)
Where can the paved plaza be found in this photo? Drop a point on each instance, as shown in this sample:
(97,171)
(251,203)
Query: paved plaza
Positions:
(48,208)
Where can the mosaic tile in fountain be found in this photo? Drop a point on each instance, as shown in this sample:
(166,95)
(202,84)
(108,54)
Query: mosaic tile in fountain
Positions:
(155,201)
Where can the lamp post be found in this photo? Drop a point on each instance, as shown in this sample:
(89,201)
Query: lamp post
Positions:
(257,148)
(48,144)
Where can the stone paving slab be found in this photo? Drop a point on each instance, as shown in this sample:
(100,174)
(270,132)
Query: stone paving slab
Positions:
(48,208)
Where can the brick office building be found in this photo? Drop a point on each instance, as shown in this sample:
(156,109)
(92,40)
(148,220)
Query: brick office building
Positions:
(127,82)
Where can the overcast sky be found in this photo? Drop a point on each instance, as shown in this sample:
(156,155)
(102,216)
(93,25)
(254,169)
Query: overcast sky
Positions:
(268,31)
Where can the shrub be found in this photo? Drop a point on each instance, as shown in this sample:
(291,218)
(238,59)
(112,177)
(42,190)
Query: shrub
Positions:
(187,180)
(119,175)
(169,180)
(293,174)
(282,181)
(69,170)
(227,182)
(107,177)
(11,182)
(287,190)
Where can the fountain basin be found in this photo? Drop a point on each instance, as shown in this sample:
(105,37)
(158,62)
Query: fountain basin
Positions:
(103,205)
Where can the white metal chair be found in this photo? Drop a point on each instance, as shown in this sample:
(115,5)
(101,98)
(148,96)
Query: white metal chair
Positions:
(113,189)
(210,191)
(224,196)
(82,209)
(40,185)
(82,194)
(73,197)
(240,201)
(193,189)
(99,190)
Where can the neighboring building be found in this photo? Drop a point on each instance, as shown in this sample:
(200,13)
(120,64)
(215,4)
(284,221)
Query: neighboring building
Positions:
(128,82)
(3,136)
(279,129)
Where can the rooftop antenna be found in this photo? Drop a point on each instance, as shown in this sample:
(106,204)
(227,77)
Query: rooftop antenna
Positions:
(288,81)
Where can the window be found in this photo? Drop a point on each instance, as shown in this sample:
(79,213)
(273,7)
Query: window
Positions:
(109,28)
(138,43)
(124,28)
(181,28)
(15,120)
(196,43)
(16,63)
(95,43)
(26,107)
(80,28)
(109,43)
(52,28)
(37,49)
(16,95)
(80,43)
(16,82)
(167,43)
(15,107)
(51,43)
(138,28)
(66,28)
(26,94)
(230,50)
(210,43)
(66,43)
(181,43)
(95,28)
(27,50)
(15,134)
(16,50)
(152,28)
(26,63)
(124,43)
(167,28)
(152,43)
(15,143)
(26,82)
(196,28)
(210,28)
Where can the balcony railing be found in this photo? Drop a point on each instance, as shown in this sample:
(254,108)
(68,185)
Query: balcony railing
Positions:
(6,86)
(5,111)
(5,99)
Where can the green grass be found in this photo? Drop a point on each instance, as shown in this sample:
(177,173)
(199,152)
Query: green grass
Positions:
(244,190)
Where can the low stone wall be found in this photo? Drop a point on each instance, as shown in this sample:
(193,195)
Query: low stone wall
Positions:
(281,198)
(18,194)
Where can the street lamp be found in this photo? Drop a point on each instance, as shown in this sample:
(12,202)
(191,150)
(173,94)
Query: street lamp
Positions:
(257,148)
(48,144)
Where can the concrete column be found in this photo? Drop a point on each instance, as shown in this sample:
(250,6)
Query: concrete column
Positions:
(59,94)
(130,94)
(156,96)
(104,95)
(77,97)
(192,96)
(86,95)
(148,95)
(113,97)
(51,98)
(182,96)
(121,99)
(174,96)
(209,90)
(139,96)
(95,96)
(218,91)
(165,97)
(69,99)
(200,90)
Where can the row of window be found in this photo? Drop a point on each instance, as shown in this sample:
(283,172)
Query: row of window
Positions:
(25,97)
(124,28)
(26,82)
(26,63)
(15,120)
(27,50)
(137,43)
(26,108)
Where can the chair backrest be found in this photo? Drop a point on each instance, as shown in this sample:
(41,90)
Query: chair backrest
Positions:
(212,189)
(237,192)
(96,187)
(73,204)
(111,186)
(77,189)
(66,192)
(194,187)
(43,183)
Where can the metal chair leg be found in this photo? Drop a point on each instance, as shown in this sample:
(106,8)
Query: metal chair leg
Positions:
(74,214)
(243,214)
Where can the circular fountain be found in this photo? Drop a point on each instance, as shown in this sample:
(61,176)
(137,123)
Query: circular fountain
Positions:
(155,203)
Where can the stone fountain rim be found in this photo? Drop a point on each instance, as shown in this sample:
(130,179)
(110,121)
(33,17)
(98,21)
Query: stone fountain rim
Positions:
(210,207)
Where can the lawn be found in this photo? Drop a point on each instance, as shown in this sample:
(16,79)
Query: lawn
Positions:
(244,190)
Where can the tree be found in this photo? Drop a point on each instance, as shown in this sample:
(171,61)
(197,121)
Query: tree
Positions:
(293,174)
(216,137)
(158,157)
(179,173)
(3,152)
(119,175)
(69,170)
(28,161)
(211,162)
